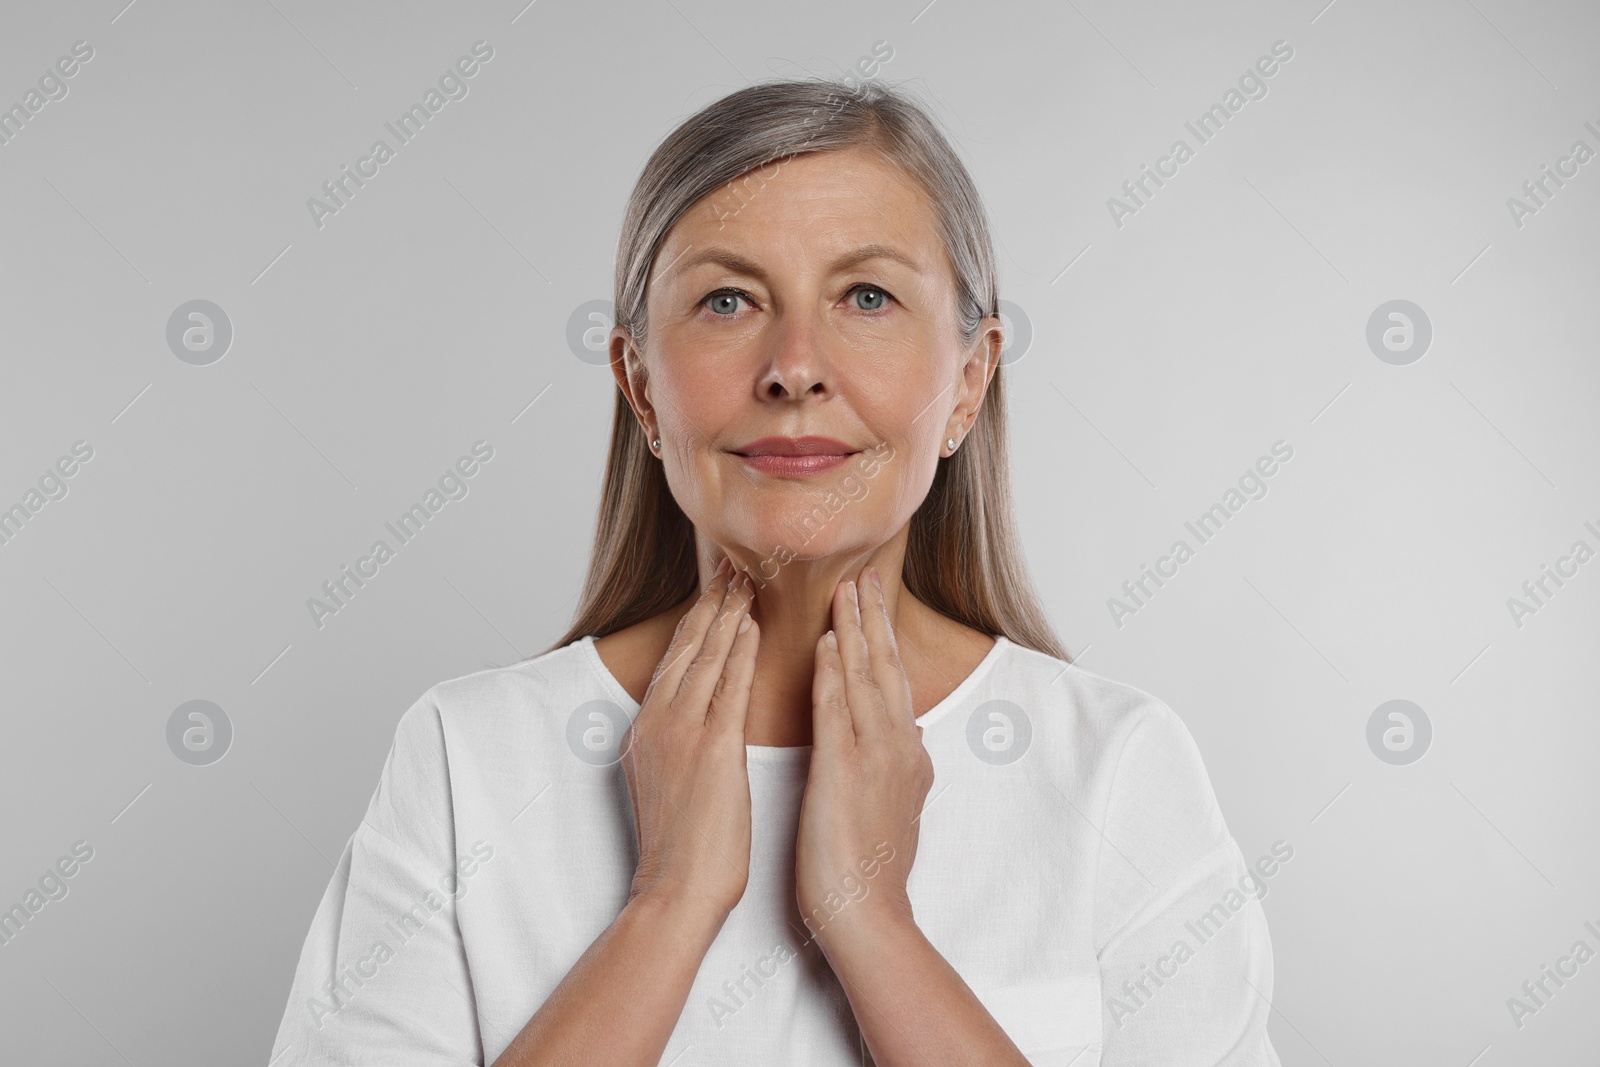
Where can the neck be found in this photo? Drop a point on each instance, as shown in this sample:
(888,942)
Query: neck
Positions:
(793,608)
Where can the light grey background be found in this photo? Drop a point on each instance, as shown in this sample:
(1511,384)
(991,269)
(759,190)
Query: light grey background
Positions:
(1167,354)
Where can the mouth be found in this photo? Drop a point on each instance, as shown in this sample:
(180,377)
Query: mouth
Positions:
(795,456)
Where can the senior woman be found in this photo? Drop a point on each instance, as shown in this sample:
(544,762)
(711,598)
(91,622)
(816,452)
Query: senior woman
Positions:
(810,779)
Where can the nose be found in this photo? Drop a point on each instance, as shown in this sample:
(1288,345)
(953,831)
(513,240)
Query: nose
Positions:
(797,364)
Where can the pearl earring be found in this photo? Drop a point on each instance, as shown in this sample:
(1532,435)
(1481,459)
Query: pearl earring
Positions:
(950,443)
(655,446)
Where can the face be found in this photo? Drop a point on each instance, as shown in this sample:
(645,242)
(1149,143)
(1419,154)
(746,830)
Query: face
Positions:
(803,364)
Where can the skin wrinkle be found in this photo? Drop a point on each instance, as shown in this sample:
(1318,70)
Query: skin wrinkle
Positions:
(798,355)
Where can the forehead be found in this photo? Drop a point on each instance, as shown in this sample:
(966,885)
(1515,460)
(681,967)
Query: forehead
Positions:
(808,207)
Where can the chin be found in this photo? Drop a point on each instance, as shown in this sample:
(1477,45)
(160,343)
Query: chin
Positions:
(803,528)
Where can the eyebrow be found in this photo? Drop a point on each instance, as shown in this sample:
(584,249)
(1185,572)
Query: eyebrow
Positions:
(740,265)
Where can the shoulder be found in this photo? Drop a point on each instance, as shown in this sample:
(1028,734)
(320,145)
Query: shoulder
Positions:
(631,654)
(1118,749)
(1131,772)
(495,704)
(1094,710)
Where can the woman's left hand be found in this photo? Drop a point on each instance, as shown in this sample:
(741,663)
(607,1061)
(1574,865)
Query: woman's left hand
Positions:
(869,772)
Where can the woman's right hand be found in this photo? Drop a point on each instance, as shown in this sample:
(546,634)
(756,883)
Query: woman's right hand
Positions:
(684,755)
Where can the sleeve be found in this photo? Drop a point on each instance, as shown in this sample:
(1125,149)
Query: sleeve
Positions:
(1180,933)
(382,977)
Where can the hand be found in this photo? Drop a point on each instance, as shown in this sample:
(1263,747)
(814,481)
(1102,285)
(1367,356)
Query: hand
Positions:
(684,755)
(869,772)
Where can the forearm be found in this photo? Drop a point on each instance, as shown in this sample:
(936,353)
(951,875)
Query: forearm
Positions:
(913,1009)
(622,999)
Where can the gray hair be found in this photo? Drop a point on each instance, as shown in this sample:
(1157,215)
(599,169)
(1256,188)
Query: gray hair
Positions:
(759,126)
(963,556)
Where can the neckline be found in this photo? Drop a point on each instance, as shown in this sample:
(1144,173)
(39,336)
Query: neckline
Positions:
(799,753)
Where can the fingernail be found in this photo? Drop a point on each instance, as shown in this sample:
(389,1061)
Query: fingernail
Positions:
(744,624)
(850,591)
(877,582)
(830,640)
(722,568)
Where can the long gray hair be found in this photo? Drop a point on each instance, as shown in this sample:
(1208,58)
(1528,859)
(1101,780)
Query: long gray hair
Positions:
(963,557)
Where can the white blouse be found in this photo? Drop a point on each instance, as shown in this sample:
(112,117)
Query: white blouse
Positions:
(1072,866)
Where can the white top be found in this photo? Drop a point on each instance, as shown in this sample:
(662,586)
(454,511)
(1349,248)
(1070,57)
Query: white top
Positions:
(1072,866)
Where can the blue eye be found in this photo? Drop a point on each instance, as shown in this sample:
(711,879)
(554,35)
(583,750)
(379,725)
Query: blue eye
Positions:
(725,302)
(875,297)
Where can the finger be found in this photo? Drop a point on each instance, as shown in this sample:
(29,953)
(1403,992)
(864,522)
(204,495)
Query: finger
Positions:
(699,681)
(885,651)
(861,693)
(831,727)
(690,633)
(730,700)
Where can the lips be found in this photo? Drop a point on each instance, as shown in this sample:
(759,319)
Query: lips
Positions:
(796,446)
(795,456)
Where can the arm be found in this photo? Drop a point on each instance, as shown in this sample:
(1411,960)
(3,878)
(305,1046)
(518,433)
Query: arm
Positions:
(870,775)
(1181,937)
(1189,980)
(684,761)
(384,975)
(622,999)
(410,1001)
(911,1005)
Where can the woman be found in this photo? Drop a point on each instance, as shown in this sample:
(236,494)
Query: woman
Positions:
(810,777)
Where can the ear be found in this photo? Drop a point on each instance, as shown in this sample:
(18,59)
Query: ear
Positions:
(627,367)
(982,361)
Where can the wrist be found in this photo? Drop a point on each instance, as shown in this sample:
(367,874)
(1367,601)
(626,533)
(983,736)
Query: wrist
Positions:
(873,919)
(887,902)
(857,943)
(687,917)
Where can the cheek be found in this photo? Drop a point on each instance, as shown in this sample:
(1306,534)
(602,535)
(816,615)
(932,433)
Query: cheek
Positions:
(698,402)
(912,475)
(895,478)
(692,403)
